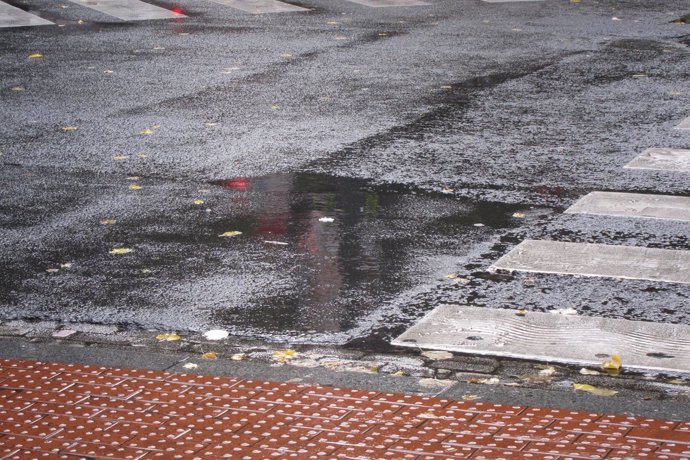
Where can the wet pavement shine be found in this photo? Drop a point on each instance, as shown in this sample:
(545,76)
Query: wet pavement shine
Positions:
(331,174)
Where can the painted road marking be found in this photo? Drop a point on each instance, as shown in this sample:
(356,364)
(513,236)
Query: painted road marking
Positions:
(685,124)
(662,159)
(387,3)
(129,10)
(633,205)
(581,340)
(602,260)
(261,6)
(11,16)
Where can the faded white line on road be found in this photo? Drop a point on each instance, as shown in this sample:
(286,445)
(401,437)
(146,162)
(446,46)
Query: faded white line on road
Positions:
(633,205)
(685,124)
(389,3)
(554,338)
(11,16)
(601,260)
(261,6)
(662,159)
(129,10)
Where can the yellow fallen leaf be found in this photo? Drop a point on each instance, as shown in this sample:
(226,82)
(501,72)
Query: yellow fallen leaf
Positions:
(286,55)
(676,93)
(107,221)
(146,132)
(398,374)
(120,157)
(283,356)
(428,414)
(275,107)
(383,34)
(134,187)
(18,89)
(332,23)
(69,128)
(198,202)
(677,382)
(155,126)
(36,56)
(614,363)
(452,276)
(230,234)
(81,21)
(594,390)
(142,155)
(171,337)
(487,381)
(447,190)
(238,356)
(121,251)
(470,397)
(146,271)
(210,355)
(522,312)
(518,215)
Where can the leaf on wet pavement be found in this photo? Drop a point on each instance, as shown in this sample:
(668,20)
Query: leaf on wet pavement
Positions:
(198,202)
(36,56)
(614,365)
(190,366)
(518,215)
(146,132)
(120,157)
(469,397)
(210,355)
(121,251)
(168,337)
(107,221)
(585,371)
(522,312)
(283,356)
(134,187)
(216,334)
(17,89)
(230,234)
(447,190)
(69,128)
(239,357)
(437,355)
(594,390)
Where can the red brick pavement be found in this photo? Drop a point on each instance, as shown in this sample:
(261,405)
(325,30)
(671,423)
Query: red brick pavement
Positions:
(67,411)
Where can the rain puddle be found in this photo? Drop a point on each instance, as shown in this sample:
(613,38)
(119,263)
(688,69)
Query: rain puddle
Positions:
(278,256)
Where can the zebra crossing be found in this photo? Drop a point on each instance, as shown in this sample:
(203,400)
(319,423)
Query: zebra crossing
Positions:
(138,10)
(577,339)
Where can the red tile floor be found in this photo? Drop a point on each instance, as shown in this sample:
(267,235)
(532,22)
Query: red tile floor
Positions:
(67,411)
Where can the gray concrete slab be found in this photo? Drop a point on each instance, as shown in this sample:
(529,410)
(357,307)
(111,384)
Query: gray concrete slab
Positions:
(129,10)
(603,260)
(663,159)
(581,340)
(11,16)
(685,124)
(633,205)
(389,3)
(510,1)
(261,6)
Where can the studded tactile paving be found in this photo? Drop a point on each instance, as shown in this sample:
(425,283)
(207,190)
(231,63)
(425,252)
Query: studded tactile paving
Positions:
(68,411)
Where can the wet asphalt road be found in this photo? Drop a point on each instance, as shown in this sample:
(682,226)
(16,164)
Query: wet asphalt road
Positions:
(420,131)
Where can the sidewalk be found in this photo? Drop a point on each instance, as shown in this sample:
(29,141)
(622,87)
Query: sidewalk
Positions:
(53,410)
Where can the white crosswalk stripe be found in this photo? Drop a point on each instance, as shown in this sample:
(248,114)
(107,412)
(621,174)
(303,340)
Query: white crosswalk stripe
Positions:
(128,10)
(599,260)
(549,337)
(261,6)
(633,205)
(662,159)
(11,16)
